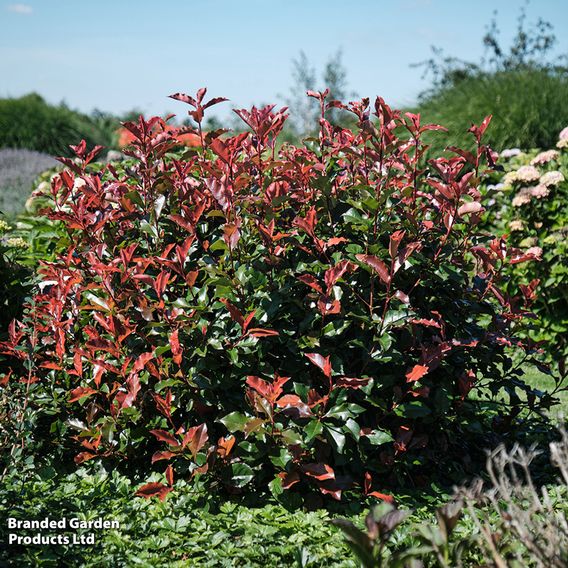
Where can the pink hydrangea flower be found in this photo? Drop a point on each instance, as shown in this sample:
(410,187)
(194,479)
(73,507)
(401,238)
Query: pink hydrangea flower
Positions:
(545,157)
(528,174)
(551,178)
(539,191)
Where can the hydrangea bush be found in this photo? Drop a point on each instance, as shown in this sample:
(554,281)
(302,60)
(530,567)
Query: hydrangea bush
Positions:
(531,204)
(325,316)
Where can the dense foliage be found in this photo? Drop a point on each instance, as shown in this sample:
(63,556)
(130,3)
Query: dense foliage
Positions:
(522,85)
(527,106)
(13,275)
(531,204)
(31,123)
(316,318)
(512,522)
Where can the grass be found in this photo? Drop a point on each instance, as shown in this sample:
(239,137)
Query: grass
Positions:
(543,382)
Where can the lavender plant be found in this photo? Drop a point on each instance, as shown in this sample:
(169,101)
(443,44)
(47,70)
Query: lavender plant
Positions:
(18,170)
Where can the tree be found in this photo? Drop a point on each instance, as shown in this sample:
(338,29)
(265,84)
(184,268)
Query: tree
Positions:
(305,110)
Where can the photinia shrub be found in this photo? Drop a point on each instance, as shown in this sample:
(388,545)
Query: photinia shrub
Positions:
(324,316)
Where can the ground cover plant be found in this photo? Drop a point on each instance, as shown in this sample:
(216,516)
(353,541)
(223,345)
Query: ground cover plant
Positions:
(312,320)
(511,521)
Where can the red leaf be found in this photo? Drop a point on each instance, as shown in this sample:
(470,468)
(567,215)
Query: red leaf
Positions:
(418,371)
(260,332)
(322,362)
(260,386)
(311,281)
(220,192)
(236,315)
(153,489)
(164,404)
(367,490)
(164,436)
(335,241)
(469,207)
(327,306)
(308,222)
(183,223)
(170,475)
(351,383)
(161,282)
(334,492)
(214,101)
(377,265)
(319,471)
(224,446)
(195,438)
(51,365)
(289,479)
(184,99)
(231,234)
(294,401)
(200,94)
(157,456)
(268,391)
(332,275)
(426,322)
(485,124)
(248,319)
(80,392)
(382,496)
(394,242)
(83,456)
(402,297)
(141,361)
(176,347)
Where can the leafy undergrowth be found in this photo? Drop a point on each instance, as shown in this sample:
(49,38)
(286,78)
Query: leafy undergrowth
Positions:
(197,528)
(189,528)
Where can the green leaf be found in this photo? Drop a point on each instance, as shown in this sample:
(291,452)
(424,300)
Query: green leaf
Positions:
(145,227)
(135,197)
(344,411)
(241,474)
(275,487)
(235,422)
(378,437)
(337,437)
(414,409)
(313,429)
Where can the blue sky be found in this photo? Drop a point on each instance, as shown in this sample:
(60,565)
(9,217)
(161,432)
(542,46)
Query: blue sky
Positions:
(121,54)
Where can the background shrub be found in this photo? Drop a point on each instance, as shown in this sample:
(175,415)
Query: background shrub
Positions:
(29,122)
(314,318)
(528,108)
(522,85)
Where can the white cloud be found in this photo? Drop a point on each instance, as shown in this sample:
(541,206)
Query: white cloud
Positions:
(25,9)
